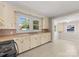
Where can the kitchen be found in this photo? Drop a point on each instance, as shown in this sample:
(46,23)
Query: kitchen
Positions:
(27,36)
(39,28)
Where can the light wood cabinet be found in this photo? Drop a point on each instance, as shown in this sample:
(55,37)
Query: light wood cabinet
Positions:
(7,14)
(19,42)
(39,39)
(26,42)
(45,23)
(1,16)
(23,43)
(9,17)
(45,37)
(1,10)
(35,41)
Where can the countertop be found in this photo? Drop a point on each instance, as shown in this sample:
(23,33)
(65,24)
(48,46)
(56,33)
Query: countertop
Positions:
(10,37)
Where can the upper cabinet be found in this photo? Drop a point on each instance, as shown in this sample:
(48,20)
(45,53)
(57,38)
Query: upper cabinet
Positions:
(7,17)
(45,26)
(1,10)
(1,15)
(45,23)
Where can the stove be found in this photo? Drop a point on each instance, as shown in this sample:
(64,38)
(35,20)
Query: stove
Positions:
(8,49)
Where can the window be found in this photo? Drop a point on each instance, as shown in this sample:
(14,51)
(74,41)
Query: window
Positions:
(27,23)
(35,25)
(22,24)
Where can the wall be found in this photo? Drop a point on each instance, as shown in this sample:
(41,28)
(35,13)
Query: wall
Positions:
(70,35)
(9,15)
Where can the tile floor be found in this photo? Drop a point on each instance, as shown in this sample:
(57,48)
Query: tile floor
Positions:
(60,48)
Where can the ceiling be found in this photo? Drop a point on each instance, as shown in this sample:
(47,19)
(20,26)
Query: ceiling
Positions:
(49,8)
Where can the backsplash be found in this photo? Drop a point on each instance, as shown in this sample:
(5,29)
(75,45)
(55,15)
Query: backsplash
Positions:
(7,31)
(13,31)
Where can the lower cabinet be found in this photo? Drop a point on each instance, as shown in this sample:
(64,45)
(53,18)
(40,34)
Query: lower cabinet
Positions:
(35,41)
(19,42)
(27,42)
(23,44)
(45,37)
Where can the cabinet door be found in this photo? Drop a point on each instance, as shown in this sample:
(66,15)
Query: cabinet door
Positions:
(48,37)
(20,44)
(23,43)
(26,43)
(35,41)
(1,16)
(1,10)
(7,14)
(9,17)
(45,37)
